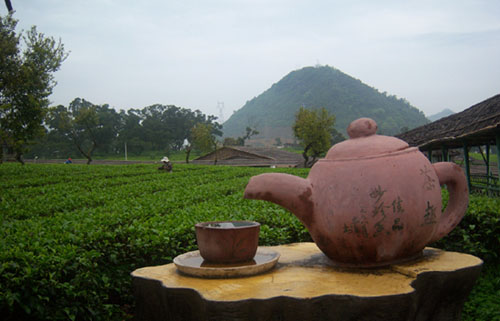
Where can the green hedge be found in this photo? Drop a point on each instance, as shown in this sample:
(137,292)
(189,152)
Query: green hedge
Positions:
(479,231)
(479,234)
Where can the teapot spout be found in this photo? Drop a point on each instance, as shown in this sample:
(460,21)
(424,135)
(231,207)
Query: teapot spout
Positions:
(289,191)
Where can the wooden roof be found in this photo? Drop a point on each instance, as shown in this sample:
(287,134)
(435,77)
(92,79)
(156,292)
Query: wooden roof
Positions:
(250,156)
(477,125)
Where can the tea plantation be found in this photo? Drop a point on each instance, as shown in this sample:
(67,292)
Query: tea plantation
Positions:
(71,234)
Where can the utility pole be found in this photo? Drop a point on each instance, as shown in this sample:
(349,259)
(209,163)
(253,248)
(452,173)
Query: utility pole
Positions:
(220,106)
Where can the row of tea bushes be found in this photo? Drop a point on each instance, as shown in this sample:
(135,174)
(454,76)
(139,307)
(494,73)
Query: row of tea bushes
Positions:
(71,234)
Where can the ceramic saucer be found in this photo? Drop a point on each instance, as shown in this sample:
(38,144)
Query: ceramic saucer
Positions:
(191,263)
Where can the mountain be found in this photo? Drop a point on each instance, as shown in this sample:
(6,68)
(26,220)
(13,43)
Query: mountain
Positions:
(443,113)
(272,113)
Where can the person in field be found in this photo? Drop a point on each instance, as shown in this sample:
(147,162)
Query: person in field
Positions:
(167,165)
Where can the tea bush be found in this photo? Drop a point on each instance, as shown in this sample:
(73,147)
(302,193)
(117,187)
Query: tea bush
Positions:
(484,300)
(71,234)
(479,234)
(479,231)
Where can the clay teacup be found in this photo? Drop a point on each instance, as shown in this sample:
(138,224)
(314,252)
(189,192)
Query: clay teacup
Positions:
(227,242)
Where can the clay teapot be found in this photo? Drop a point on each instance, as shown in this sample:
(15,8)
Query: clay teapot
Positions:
(372,201)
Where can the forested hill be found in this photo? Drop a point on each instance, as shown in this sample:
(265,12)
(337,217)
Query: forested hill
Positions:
(444,113)
(272,113)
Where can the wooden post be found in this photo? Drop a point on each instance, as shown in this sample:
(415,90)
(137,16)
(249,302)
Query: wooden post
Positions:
(444,153)
(467,165)
(497,138)
(9,6)
(488,167)
(488,159)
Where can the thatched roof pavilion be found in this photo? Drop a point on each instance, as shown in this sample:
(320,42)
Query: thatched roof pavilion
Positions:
(477,125)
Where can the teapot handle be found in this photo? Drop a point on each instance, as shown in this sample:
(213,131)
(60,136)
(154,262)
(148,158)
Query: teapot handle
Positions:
(452,175)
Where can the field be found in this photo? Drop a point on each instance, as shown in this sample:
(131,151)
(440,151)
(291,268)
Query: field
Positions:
(71,234)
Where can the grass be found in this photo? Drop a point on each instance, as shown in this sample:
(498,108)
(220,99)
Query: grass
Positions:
(477,156)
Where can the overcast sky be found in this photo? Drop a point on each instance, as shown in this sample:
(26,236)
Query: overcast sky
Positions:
(194,54)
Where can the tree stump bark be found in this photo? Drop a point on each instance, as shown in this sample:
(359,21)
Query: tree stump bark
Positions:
(305,285)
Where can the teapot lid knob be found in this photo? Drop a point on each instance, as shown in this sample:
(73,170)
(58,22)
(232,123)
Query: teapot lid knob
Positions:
(368,145)
(362,127)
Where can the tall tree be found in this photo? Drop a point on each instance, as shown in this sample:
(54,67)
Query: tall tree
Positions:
(203,138)
(131,132)
(313,129)
(82,123)
(156,128)
(167,127)
(249,133)
(26,82)
(207,124)
(240,141)
(337,137)
(109,126)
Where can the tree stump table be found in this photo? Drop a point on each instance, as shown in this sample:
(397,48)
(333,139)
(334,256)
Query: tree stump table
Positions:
(306,285)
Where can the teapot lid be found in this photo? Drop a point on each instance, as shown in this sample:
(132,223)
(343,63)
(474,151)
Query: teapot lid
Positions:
(364,142)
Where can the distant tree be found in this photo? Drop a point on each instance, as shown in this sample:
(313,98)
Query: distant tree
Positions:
(404,129)
(86,125)
(313,129)
(230,141)
(249,133)
(56,143)
(194,134)
(110,124)
(131,133)
(240,141)
(337,136)
(26,82)
(59,141)
(203,138)
(156,128)
(169,127)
